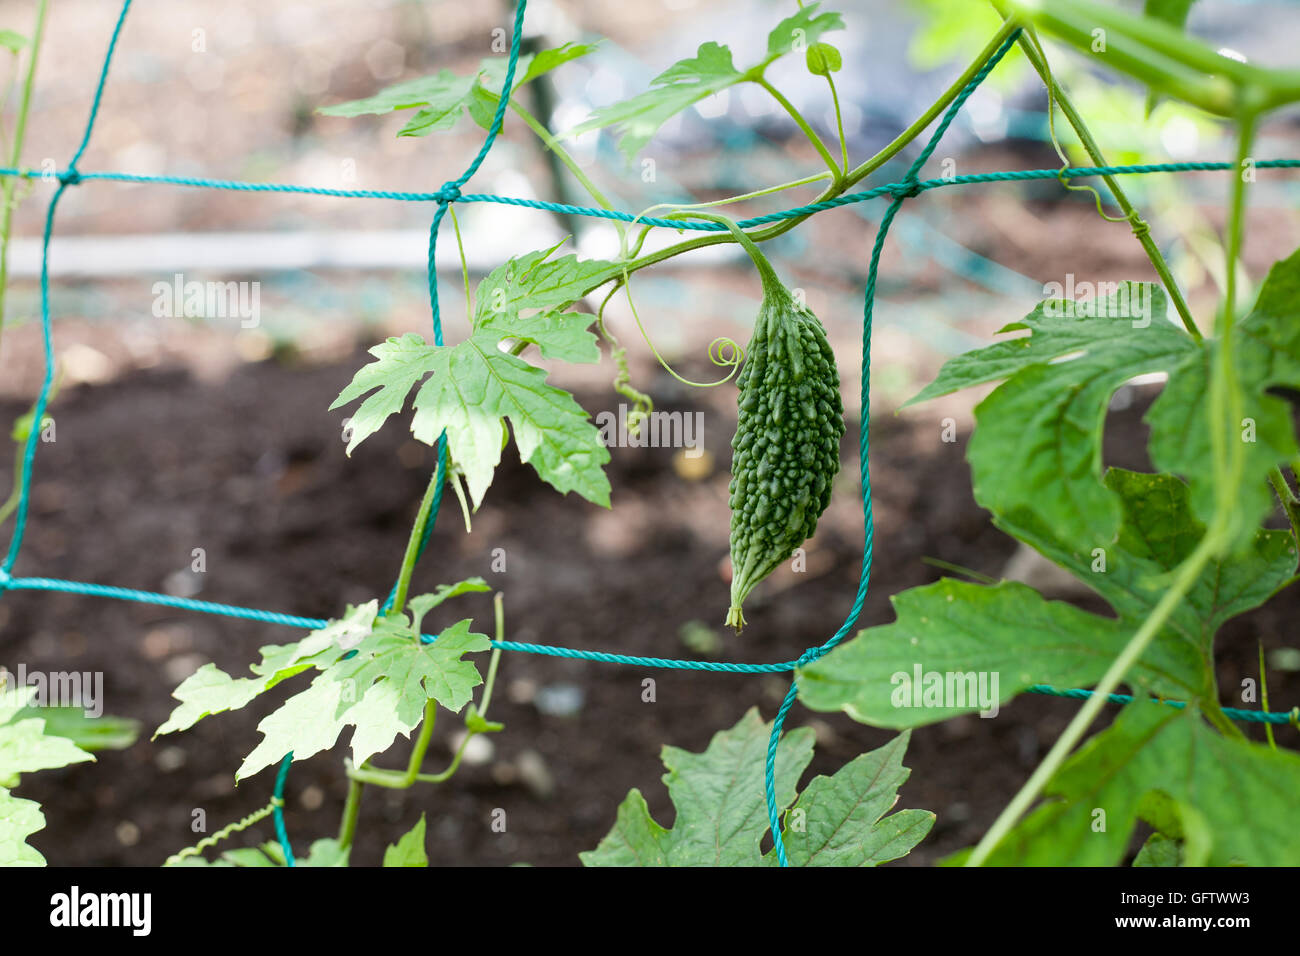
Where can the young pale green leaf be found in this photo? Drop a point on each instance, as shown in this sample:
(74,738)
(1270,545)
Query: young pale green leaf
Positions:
(710,71)
(11,41)
(443,94)
(564,336)
(1243,792)
(25,748)
(843,816)
(375,675)
(409,849)
(492,76)
(823,59)
(381,691)
(472,389)
(19,819)
(307,723)
(25,745)
(443,97)
(543,287)
(536,281)
(683,84)
(800,31)
(955,633)
(721,814)
(210,690)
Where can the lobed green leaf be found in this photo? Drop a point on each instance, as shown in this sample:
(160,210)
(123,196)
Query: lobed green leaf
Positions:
(721,811)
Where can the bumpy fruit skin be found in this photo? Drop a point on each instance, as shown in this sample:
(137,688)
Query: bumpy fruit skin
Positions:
(786,450)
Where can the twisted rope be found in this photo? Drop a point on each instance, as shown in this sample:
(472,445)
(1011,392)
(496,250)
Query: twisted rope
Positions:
(450,192)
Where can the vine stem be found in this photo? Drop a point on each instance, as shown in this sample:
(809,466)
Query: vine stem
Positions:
(402,780)
(1029,45)
(351,809)
(499,614)
(464,264)
(1263,694)
(839,121)
(1225,395)
(1187,574)
(841,184)
(1290,504)
(413,545)
(802,124)
(713,203)
(9,185)
(554,146)
(1225,402)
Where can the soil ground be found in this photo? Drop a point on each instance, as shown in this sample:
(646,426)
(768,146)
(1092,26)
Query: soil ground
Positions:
(149,467)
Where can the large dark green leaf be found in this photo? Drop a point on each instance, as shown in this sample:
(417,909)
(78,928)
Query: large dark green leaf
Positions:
(1012,634)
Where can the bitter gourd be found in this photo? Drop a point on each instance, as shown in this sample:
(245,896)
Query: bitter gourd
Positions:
(786,449)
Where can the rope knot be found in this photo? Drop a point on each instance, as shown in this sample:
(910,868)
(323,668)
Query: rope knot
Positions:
(4,580)
(810,655)
(905,190)
(449,193)
(70,176)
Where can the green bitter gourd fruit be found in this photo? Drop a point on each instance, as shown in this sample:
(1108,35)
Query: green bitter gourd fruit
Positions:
(786,450)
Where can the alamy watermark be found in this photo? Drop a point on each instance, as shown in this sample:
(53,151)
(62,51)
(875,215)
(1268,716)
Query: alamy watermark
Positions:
(1101,300)
(59,688)
(950,689)
(208,300)
(655,430)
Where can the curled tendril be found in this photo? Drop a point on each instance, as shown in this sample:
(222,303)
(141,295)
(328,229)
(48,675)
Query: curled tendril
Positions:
(731,360)
(225,832)
(642,404)
(1139,225)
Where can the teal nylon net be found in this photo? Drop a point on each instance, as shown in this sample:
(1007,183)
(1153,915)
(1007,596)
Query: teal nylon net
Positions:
(897,192)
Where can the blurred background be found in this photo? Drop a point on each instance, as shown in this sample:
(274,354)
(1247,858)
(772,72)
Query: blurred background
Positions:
(179,433)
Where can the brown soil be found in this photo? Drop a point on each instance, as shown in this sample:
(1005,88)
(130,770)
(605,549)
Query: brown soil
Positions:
(150,467)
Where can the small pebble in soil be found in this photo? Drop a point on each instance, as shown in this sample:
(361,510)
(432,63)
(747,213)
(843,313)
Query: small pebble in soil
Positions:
(534,774)
(521,690)
(169,759)
(311,798)
(478,751)
(958,727)
(449,827)
(184,583)
(128,834)
(559,700)
(157,644)
(182,666)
